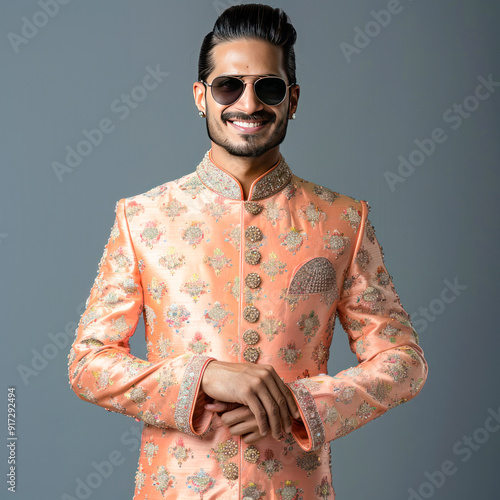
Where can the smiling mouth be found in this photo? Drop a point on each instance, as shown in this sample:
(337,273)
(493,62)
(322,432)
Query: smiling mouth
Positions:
(248,125)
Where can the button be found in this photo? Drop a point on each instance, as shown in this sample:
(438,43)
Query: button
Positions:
(252,256)
(252,280)
(253,234)
(251,337)
(251,314)
(230,471)
(251,354)
(251,454)
(254,208)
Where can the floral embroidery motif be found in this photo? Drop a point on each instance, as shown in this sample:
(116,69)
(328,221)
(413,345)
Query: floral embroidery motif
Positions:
(180,451)
(198,345)
(165,379)
(323,490)
(320,354)
(152,233)
(217,316)
(308,325)
(173,209)
(217,208)
(218,262)
(290,354)
(271,326)
(352,216)
(293,240)
(273,213)
(312,214)
(201,482)
(150,317)
(290,491)
(163,480)
(157,289)
(156,191)
(326,194)
(175,316)
(150,450)
(172,260)
(233,236)
(193,185)
(309,461)
(273,266)
(140,478)
(163,346)
(195,287)
(270,465)
(252,492)
(396,367)
(336,242)
(133,209)
(138,395)
(194,234)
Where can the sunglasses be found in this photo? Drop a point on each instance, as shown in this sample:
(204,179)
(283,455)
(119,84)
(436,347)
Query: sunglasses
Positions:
(270,90)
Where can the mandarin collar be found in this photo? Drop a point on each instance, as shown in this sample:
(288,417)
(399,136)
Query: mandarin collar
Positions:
(223,183)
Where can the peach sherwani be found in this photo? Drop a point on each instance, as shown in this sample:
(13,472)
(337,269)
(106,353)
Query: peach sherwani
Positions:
(258,281)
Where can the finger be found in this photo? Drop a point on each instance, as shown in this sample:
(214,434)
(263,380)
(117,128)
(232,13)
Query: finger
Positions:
(252,437)
(271,398)
(281,416)
(221,406)
(236,416)
(286,391)
(259,412)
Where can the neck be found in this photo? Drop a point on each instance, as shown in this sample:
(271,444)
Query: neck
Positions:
(244,168)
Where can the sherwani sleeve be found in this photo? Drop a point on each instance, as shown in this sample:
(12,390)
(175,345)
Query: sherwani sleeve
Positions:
(101,369)
(392,368)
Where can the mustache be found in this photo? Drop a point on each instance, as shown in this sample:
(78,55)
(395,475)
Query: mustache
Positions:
(239,116)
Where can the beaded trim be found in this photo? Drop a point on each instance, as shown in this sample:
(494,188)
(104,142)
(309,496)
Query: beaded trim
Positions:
(187,392)
(226,185)
(313,419)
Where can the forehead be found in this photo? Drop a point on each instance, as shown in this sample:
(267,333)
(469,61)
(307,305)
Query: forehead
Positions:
(248,57)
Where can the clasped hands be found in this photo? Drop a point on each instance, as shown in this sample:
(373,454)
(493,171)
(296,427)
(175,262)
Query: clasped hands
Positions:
(253,399)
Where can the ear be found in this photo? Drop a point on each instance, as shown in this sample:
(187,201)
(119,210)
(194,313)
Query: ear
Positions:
(199,96)
(294,99)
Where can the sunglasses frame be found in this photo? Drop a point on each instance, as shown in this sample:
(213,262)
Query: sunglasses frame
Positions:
(245,86)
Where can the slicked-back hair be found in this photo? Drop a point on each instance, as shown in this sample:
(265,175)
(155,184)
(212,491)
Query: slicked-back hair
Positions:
(254,21)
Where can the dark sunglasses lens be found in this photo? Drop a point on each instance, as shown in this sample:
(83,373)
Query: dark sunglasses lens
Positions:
(226,90)
(270,91)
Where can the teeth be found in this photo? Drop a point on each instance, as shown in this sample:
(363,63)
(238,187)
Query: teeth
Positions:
(248,124)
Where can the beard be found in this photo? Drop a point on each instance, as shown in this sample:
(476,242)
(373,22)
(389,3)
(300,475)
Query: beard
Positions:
(253,145)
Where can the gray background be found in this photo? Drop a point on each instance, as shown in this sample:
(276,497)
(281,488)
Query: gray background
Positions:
(354,120)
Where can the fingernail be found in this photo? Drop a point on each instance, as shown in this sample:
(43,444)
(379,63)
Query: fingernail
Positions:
(289,429)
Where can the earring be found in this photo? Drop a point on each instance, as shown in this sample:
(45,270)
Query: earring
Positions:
(202,115)
(293,116)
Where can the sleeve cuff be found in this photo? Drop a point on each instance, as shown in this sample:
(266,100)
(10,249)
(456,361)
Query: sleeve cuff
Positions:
(190,415)
(310,433)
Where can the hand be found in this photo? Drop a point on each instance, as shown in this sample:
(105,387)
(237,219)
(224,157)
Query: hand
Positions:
(239,419)
(256,386)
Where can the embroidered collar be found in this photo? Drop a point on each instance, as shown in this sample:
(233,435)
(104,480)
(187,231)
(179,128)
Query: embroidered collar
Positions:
(224,184)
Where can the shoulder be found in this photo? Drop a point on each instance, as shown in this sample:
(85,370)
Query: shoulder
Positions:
(325,197)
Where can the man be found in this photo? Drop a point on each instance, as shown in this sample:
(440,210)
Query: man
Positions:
(240,269)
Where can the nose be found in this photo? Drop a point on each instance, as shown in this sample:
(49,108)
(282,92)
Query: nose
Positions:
(248,101)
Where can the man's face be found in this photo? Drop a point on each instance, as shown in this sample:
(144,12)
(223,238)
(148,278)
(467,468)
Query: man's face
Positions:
(254,58)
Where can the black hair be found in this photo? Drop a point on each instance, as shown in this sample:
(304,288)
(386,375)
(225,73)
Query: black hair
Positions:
(251,20)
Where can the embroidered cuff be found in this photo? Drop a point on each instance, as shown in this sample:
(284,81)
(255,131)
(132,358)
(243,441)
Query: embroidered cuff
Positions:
(191,397)
(313,436)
